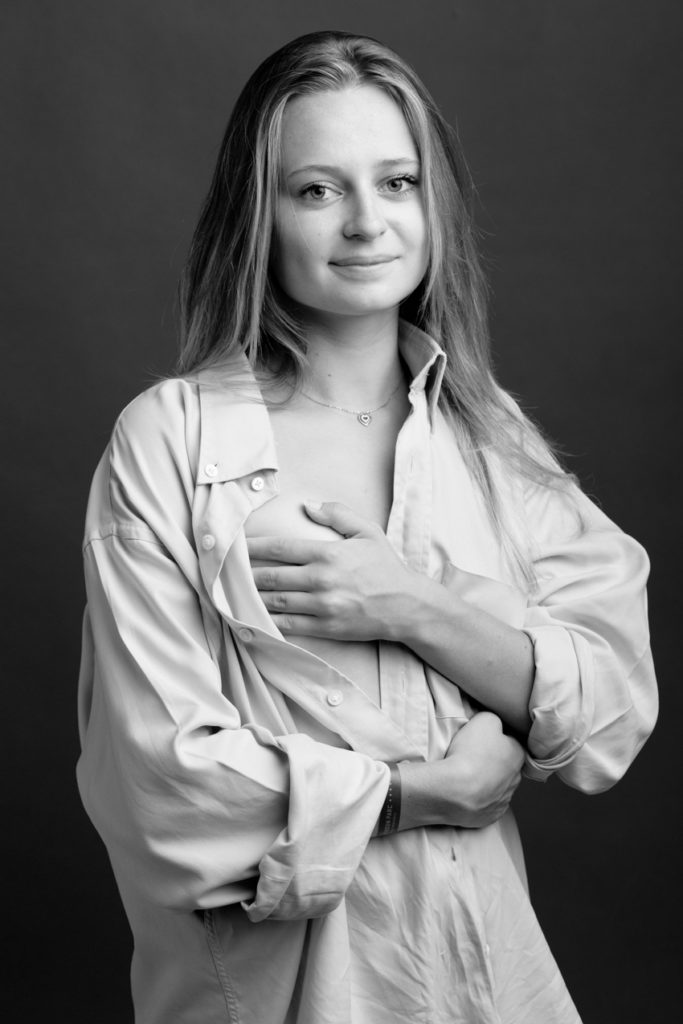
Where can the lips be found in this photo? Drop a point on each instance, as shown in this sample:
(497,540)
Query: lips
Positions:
(362,261)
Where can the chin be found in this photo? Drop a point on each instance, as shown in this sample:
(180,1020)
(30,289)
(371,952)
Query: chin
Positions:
(360,309)
(371,302)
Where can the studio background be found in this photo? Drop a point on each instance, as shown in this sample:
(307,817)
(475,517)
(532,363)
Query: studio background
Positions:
(569,114)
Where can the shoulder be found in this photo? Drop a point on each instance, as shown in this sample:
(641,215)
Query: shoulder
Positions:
(177,435)
(147,469)
(543,506)
(158,416)
(155,440)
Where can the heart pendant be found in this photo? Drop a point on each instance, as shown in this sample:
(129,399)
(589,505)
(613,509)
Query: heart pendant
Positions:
(365,418)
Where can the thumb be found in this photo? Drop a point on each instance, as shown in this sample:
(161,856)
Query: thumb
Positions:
(338,517)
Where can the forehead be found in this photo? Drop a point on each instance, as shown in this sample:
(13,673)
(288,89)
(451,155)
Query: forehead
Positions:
(360,122)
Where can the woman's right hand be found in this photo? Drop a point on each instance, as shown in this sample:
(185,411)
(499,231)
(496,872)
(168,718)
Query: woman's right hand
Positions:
(472,786)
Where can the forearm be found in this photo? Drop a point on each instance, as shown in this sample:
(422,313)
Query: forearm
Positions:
(490,661)
(471,787)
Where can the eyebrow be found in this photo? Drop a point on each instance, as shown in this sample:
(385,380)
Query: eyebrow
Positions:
(383,165)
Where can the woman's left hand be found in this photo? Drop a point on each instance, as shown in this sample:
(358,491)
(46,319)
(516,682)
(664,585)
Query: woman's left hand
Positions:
(356,588)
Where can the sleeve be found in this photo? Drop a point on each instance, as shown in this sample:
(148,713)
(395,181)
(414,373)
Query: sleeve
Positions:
(594,697)
(197,807)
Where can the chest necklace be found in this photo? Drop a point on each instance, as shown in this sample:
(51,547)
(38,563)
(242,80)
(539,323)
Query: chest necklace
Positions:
(364,416)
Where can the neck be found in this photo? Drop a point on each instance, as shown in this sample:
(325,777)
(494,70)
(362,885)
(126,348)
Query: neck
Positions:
(354,363)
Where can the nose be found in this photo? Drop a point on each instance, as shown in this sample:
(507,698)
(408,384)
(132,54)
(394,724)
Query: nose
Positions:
(365,218)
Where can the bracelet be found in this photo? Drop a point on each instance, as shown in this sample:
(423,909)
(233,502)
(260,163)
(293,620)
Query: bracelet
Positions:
(390,814)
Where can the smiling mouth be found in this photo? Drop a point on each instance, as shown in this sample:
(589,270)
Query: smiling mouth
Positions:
(362,261)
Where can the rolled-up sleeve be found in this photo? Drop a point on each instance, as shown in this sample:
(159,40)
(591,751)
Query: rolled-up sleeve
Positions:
(198,805)
(594,697)
(196,808)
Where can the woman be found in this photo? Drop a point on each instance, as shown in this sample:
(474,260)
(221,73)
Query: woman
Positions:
(340,592)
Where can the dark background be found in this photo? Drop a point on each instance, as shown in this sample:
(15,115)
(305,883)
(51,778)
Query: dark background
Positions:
(569,113)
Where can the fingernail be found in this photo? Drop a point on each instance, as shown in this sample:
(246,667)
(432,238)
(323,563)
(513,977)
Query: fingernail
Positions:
(314,506)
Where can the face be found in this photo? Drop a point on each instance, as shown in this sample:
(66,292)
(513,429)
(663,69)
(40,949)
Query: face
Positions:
(350,229)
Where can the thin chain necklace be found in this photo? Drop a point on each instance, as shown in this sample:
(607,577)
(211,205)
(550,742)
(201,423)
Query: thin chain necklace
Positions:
(364,416)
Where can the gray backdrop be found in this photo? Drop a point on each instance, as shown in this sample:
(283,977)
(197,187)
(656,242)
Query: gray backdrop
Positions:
(112,113)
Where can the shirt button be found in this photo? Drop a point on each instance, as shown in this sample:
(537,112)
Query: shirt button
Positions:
(334,698)
(211,469)
(245,634)
(257,484)
(208,541)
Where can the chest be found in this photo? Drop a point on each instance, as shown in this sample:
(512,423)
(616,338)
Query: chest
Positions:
(328,458)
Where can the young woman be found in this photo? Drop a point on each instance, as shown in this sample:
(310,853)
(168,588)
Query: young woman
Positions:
(340,594)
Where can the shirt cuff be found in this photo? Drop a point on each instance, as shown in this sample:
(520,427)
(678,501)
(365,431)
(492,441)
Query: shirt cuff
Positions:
(335,799)
(561,701)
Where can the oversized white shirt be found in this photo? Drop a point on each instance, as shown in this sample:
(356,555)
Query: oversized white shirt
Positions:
(236,778)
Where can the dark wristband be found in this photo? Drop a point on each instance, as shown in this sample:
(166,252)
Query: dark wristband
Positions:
(390,814)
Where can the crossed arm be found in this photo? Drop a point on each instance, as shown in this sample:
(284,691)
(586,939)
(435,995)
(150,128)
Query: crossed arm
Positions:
(357,588)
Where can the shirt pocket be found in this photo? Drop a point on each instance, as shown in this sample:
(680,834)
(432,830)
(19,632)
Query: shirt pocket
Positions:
(242,951)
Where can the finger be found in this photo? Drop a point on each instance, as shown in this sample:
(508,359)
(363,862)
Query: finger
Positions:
(286,550)
(488,719)
(341,518)
(517,752)
(282,577)
(291,603)
(301,625)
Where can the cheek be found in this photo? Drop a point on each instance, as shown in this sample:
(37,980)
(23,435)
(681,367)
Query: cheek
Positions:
(414,231)
(292,260)
(284,254)
(423,232)
(293,243)
(419,235)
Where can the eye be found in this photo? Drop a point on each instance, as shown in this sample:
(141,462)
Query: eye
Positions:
(317,192)
(401,184)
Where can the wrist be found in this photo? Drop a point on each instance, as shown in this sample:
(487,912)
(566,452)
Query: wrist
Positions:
(422,802)
(390,813)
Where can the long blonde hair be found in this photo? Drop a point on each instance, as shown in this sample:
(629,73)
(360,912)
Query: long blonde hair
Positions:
(231,305)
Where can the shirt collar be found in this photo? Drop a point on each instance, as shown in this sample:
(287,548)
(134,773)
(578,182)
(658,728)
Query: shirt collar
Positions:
(236,434)
(425,360)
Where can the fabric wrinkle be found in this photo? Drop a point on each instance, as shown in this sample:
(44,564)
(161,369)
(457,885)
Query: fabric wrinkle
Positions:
(237,804)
